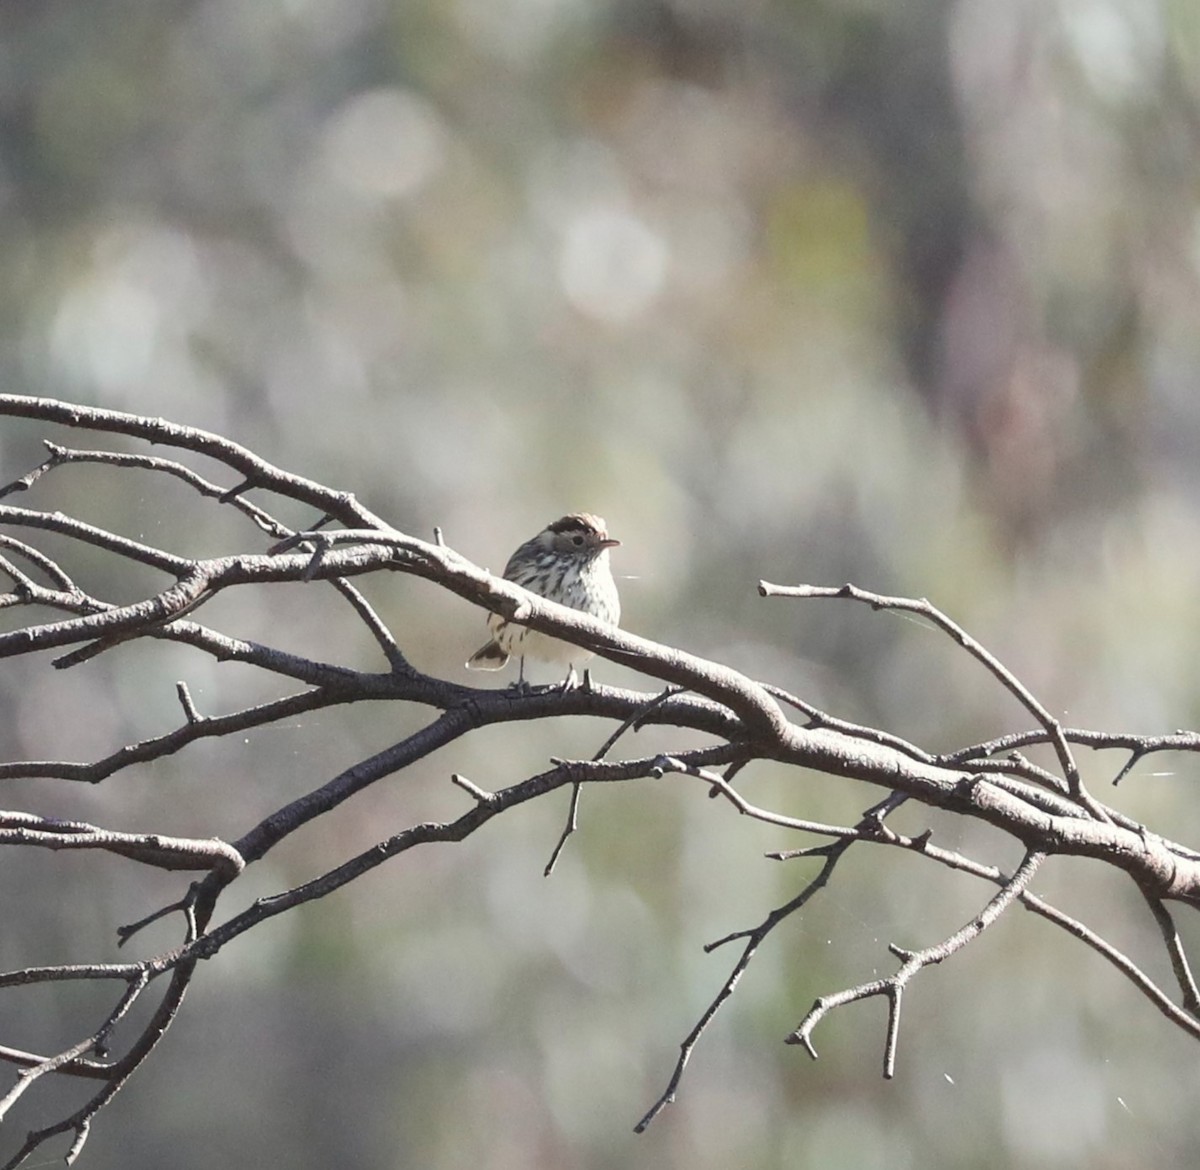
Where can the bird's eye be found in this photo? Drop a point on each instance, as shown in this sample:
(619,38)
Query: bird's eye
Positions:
(577,540)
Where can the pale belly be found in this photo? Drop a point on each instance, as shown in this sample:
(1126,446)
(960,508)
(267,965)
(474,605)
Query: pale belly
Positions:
(521,642)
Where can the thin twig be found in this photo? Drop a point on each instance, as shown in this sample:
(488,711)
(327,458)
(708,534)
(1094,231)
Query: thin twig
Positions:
(569,829)
(93,1043)
(160,746)
(913,962)
(60,456)
(745,718)
(51,568)
(922,607)
(257,472)
(1138,745)
(754,939)
(1175,952)
(818,718)
(374,623)
(482,797)
(633,720)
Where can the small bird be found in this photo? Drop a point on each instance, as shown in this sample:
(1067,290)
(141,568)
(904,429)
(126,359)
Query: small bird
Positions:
(566,562)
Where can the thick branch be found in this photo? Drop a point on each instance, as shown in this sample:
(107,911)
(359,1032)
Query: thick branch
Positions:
(743,720)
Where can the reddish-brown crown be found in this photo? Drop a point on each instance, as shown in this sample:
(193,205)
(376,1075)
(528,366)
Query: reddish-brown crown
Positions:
(592,528)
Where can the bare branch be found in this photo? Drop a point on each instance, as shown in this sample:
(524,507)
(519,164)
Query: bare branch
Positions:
(564,772)
(374,623)
(634,720)
(149,848)
(61,456)
(1179,960)
(487,798)
(569,828)
(43,562)
(913,962)
(736,719)
(257,472)
(754,939)
(922,607)
(93,1043)
(197,727)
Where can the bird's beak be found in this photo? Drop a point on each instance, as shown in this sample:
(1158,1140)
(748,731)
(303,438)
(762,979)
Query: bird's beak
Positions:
(608,542)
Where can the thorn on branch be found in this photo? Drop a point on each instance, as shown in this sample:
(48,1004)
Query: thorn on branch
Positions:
(803,1036)
(81,1136)
(969,785)
(87,652)
(30,478)
(487,799)
(709,947)
(186,905)
(314,562)
(730,772)
(231,494)
(185,701)
(664,764)
(1135,758)
(791,854)
(568,829)
(886,807)
(873,828)
(635,720)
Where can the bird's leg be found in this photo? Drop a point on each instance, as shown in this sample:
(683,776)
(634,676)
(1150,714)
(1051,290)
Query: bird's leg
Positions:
(520,685)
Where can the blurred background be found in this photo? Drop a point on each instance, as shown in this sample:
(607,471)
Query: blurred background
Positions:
(821,290)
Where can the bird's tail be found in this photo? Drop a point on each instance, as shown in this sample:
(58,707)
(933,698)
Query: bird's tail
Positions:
(489,657)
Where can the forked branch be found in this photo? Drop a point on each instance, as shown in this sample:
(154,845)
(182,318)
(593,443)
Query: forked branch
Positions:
(913,962)
(741,724)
